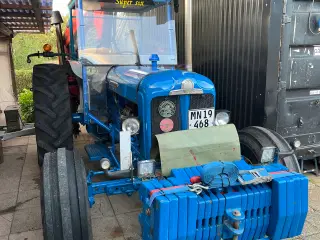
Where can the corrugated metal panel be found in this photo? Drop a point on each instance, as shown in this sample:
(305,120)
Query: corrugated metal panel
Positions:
(179,17)
(230,47)
(263,57)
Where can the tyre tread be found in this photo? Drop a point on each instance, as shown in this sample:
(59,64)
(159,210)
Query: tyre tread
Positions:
(64,197)
(53,116)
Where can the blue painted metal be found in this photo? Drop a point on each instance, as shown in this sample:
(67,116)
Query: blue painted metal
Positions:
(160,84)
(77,117)
(112,187)
(97,121)
(154,59)
(222,213)
(96,151)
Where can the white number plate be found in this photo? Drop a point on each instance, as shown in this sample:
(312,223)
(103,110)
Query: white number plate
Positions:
(200,118)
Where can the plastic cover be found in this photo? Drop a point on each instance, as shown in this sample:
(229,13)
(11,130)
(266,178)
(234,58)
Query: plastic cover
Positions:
(113,38)
(96,76)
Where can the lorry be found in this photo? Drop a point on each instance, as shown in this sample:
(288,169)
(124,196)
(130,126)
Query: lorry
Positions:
(157,131)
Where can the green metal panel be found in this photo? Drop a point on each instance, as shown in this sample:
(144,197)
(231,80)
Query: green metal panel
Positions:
(198,146)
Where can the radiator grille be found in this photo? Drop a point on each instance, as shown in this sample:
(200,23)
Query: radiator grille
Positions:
(201,101)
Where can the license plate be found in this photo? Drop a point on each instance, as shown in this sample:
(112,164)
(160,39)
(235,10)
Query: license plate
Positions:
(200,118)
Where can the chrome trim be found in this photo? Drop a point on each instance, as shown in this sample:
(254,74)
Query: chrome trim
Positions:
(185,92)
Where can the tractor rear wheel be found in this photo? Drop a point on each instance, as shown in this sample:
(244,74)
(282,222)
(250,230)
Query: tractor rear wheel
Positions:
(254,139)
(64,197)
(53,116)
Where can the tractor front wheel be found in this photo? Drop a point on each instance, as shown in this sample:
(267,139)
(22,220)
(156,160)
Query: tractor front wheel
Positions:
(64,197)
(254,139)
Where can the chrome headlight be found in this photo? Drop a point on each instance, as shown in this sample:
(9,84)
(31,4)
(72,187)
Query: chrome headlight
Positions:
(132,125)
(222,118)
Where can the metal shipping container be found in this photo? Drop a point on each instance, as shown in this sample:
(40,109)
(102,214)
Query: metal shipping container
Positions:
(264,59)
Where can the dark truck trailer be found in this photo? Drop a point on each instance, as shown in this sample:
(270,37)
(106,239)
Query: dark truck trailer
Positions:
(264,58)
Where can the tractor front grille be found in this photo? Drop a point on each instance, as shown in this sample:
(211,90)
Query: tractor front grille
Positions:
(201,101)
(157,118)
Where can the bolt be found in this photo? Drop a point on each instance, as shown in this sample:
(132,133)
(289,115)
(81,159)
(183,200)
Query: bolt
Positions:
(236,224)
(236,213)
(148,212)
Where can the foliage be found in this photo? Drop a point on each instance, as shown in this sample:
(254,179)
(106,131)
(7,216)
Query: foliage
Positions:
(26,43)
(26,105)
(23,45)
(23,79)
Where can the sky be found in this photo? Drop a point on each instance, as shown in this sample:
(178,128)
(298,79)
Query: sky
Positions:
(61,5)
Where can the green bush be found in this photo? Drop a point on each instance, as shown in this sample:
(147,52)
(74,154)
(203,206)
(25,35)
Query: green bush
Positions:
(23,79)
(26,105)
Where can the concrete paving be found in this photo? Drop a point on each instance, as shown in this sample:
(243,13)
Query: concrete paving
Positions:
(114,217)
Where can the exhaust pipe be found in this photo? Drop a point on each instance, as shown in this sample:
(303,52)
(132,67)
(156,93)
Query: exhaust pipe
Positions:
(56,21)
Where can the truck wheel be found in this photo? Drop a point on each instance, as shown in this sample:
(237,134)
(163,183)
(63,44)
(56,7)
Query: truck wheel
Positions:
(53,117)
(253,139)
(64,197)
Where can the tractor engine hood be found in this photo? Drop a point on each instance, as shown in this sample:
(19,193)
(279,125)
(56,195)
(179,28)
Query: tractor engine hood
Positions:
(127,81)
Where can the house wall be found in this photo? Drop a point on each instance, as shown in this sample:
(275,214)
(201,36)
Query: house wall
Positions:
(7,88)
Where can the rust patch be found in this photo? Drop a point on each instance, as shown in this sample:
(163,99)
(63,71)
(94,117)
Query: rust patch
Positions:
(117,232)
(194,157)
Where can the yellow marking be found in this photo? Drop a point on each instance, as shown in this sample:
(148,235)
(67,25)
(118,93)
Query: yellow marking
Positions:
(140,3)
(126,3)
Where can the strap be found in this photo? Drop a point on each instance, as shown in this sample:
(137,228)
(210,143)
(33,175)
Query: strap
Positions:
(164,191)
(220,174)
(254,176)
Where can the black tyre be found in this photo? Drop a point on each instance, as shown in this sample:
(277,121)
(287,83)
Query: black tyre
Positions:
(253,139)
(53,117)
(64,197)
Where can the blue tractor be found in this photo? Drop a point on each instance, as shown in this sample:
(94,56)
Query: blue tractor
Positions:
(157,131)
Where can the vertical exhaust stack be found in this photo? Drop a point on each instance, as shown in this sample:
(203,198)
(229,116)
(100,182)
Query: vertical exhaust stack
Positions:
(56,21)
(188,34)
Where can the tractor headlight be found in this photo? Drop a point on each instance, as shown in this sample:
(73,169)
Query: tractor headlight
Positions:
(268,154)
(222,118)
(132,125)
(296,143)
